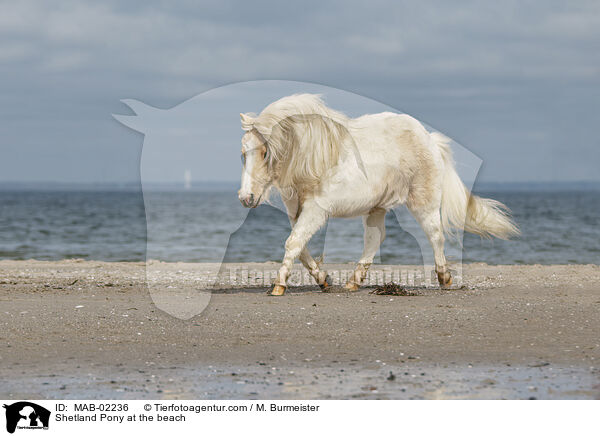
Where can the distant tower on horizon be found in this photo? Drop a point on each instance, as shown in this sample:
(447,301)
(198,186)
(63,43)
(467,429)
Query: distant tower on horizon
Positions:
(187,180)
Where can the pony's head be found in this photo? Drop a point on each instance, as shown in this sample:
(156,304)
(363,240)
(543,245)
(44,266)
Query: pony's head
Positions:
(256,175)
(291,145)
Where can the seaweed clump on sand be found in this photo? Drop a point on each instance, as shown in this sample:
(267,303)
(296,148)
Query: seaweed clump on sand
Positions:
(391,289)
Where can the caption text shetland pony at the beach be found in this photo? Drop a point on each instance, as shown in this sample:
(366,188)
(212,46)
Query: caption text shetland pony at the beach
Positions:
(325,165)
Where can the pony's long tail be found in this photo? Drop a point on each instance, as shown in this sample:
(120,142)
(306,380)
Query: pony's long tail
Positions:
(461,209)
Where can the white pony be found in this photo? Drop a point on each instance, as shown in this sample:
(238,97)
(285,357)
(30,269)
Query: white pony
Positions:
(328,165)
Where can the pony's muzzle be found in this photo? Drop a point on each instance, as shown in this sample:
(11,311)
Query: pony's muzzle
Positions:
(248,201)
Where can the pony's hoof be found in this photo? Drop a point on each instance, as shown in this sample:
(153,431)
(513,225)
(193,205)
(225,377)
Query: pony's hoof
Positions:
(277,290)
(351,286)
(445,279)
(326,283)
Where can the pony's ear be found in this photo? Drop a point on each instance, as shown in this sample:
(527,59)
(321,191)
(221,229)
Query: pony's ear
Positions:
(247,122)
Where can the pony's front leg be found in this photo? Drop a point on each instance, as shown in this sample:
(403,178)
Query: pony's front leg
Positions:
(374,225)
(321,277)
(308,223)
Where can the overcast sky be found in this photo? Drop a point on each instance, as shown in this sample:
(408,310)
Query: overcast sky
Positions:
(517,83)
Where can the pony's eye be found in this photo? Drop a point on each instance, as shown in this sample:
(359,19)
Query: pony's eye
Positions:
(243,156)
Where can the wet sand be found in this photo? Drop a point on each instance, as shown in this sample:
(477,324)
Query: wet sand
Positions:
(86,329)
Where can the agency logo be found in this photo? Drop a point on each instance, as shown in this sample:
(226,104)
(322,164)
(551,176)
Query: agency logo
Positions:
(26,415)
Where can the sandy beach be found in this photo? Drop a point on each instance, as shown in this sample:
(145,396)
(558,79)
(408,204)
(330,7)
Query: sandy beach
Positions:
(87,329)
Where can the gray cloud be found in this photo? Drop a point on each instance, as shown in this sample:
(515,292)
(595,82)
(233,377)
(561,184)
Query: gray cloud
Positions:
(517,82)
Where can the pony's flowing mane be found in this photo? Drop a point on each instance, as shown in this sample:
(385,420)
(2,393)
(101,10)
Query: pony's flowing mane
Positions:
(304,138)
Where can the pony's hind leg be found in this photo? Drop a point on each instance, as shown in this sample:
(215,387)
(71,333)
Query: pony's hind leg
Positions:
(432,226)
(374,234)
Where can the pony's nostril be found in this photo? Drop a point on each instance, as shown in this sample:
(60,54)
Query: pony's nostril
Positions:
(246,201)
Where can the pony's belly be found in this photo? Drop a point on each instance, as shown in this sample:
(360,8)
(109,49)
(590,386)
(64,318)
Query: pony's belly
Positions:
(357,192)
(359,203)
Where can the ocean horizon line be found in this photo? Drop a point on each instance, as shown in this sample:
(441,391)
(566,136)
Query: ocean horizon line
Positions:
(208,185)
